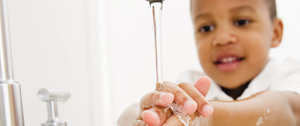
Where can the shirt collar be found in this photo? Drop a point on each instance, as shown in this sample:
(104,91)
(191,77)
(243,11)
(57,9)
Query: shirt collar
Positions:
(258,84)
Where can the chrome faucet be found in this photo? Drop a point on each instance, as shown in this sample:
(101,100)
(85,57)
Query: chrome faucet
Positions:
(52,97)
(11,112)
(151,1)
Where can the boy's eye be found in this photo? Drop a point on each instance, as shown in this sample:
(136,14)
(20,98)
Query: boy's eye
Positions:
(207,28)
(242,22)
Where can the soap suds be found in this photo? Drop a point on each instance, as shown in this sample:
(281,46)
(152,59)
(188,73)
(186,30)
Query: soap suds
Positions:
(259,121)
(268,110)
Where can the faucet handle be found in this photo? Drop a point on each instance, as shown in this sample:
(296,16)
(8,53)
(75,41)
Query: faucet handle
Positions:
(47,95)
(51,97)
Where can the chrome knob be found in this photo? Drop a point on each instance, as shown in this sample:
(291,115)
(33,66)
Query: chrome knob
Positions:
(51,98)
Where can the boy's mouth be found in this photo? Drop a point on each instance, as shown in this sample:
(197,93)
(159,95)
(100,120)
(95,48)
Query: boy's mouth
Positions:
(228,63)
(228,60)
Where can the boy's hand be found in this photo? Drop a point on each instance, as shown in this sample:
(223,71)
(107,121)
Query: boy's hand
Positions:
(155,109)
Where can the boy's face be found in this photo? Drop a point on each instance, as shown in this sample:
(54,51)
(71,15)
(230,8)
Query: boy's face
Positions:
(233,38)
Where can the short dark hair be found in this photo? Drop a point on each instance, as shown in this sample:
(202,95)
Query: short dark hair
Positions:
(272,8)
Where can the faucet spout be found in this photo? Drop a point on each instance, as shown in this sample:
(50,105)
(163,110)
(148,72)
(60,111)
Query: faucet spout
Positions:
(152,1)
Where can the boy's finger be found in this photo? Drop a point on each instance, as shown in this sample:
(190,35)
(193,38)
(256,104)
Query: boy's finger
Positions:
(181,98)
(203,85)
(173,120)
(157,98)
(202,104)
(156,116)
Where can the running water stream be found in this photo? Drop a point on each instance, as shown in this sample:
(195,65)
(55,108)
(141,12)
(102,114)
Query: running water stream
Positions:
(156,10)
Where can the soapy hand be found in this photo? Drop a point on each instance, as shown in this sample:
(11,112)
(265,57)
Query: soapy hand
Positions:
(171,101)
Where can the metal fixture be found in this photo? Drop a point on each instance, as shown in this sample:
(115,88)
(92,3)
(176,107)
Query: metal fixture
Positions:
(11,112)
(52,97)
(151,1)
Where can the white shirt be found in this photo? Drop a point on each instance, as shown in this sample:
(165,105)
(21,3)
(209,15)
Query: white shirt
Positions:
(280,75)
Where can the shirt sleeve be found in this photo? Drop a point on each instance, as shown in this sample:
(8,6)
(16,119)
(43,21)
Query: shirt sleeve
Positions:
(287,76)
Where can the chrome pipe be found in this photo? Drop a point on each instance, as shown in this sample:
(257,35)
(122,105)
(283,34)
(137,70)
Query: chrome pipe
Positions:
(11,112)
(6,68)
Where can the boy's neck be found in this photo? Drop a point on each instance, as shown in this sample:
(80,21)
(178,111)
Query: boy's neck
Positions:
(237,92)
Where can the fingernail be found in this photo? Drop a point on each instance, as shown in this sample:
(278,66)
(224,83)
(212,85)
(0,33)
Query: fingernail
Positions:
(203,79)
(207,110)
(150,117)
(166,99)
(189,106)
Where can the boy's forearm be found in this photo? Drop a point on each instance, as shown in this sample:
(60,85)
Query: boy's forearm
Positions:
(294,99)
(271,108)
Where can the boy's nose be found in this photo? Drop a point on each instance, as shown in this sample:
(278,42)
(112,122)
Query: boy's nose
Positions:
(223,39)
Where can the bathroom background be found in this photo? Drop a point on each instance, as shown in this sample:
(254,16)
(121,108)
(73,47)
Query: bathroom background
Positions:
(102,52)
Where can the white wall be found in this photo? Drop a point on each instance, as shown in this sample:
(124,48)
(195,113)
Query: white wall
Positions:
(50,51)
(288,11)
(102,51)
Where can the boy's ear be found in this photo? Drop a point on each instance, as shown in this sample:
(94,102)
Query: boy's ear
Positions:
(277,32)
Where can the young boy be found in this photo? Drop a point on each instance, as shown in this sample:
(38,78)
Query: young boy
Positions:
(233,38)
